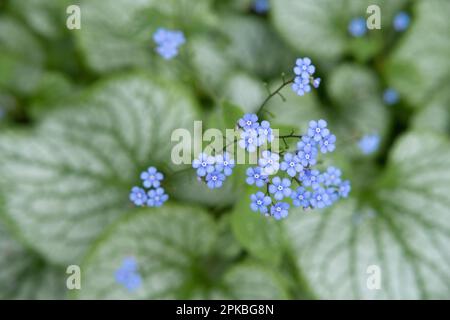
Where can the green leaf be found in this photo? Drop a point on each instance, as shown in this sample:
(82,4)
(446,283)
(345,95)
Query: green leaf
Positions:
(435,116)
(402,227)
(231,114)
(245,91)
(420,63)
(173,247)
(76,169)
(21,57)
(116,34)
(23,275)
(262,237)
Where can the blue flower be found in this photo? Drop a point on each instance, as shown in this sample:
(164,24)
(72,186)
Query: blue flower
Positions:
(269,162)
(138,196)
(261,6)
(344,189)
(332,177)
(300,197)
(301,86)
(127,274)
(357,27)
(320,199)
(306,142)
(316,82)
(307,156)
(280,210)
(369,143)
(249,121)
(311,178)
(401,21)
(260,202)
(264,133)
(327,144)
(304,67)
(291,164)
(318,130)
(333,194)
(156,197)
(168,42)
(249,140)
(390,96)
(255,176)
(280,188)
(215,179)
(225,163)
(151,178)
(204,164)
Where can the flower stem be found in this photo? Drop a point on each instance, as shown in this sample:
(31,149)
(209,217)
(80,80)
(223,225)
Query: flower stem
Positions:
(272,94)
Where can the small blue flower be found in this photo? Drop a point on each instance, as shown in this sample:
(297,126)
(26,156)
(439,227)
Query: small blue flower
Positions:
(204,164)
(369,143)
(291,164)
(311,178)
(327,144)
(280,188)
(344,189)
(300,197)
(255,176)
(318,130)
(304,67)
(261,6)
(260,202)
(316,82)
(332,177)
(320,199)
(264,133)
(306,142)
(280,210)
(151,178)
(269,162)
(390,96)
(249,140)
(401,21)
(333,194)
(307,156)
(127,274)
(249,121)
(301,86)
(138,196)
(357,27)
(168,42)
(215,179)
(156,197)
(225,163)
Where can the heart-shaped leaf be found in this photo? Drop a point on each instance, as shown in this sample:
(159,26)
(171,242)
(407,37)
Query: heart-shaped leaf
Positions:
(392,245)
(68,179)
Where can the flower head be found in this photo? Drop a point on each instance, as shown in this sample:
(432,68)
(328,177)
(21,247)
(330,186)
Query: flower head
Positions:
(291,164)
(224,163)
(127,274)
(168,42)
(215,179)
(249,121)
(156,197)
(261,6)
(311,178)
(138,196)
(264,133)
(318,130)
(357,27)
(280,188)
(300,197)
(301,85)
(332,177)
(260,202)
(369,143)
(316,82)
(320,198)
(256,177)
(401,21)
(249,140)
(307,156)
(304,66)
(390,96)
(151,178)
(204,164)
(280,210)
(269,162)
(344,189)
(327,144)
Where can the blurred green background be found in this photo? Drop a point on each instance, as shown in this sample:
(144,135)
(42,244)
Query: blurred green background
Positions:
(83,112)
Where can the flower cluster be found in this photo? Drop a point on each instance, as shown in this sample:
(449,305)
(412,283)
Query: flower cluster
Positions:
(253,133)
(168,42)
(214,169)
(304,71)
(155,197)
(314,189)
(127,275)
(369,143)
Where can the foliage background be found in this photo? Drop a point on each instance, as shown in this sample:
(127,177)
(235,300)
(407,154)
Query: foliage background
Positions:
(84,111)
